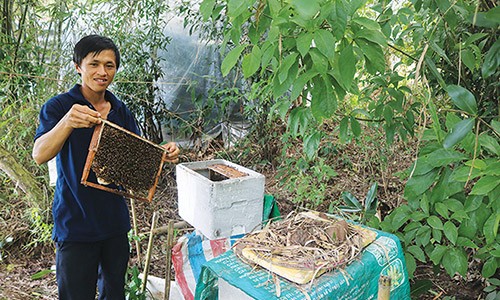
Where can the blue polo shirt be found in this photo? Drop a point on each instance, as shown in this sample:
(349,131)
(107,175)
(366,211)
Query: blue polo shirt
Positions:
(83,214)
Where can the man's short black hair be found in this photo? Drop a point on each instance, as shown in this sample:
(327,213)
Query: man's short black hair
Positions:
(94,44)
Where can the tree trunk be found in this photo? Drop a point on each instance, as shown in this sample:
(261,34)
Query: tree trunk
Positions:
(22,177)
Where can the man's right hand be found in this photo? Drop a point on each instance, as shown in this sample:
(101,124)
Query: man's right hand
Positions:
(82,116)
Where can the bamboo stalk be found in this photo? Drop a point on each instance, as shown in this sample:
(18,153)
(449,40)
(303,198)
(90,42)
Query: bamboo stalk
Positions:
(384,288)
(148,255)
(136,233)
(164,229)
(168,263)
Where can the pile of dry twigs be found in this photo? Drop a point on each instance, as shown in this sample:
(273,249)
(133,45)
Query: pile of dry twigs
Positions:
(306,241)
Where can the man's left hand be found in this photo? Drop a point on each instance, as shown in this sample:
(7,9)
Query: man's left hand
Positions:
(172,152)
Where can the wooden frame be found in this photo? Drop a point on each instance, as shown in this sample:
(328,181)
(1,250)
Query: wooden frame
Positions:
(94,148)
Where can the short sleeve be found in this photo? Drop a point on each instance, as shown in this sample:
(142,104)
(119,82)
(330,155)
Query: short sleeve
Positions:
(50,114)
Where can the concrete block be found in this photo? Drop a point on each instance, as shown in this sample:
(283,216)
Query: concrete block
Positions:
(219,206)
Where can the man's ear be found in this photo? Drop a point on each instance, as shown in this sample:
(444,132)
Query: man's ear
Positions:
(77,67)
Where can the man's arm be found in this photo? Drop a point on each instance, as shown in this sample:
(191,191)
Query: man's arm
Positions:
(48,145)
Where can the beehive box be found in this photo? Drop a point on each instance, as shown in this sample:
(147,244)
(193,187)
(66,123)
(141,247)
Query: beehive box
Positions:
(123,162)
(220,198)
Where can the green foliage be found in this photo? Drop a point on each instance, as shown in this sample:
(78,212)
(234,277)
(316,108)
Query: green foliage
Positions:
(321,59)
(310,184)
(133,285)
(362,213)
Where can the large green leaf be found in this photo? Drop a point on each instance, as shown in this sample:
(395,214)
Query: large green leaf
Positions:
(371,198)
(344,129)
(307,9)
(485,184)
(417,185)
(367,23)
(455,261)
(490,228)
(458,132)
(231,59)
(373,53)
(347,66)
(469,59)
(464,173)
(417,252)
(373,36)
(325,42)
(304,43)
(355,127)
(206,8)
(324,102)
(311,144)
(297,120)
(411,265)
(435,222)
(251,62)
(489,268)
(351,201)
(451,232)
(286,65)
(442,157)
(489,143)
(462,98)
(236,7)
(320,63)
(299,84)
(437,254)
(491,60)
(338,19)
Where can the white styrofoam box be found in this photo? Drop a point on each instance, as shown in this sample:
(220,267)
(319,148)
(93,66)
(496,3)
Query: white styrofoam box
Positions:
(219,209)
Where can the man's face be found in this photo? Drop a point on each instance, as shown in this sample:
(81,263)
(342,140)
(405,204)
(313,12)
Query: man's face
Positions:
(98,71)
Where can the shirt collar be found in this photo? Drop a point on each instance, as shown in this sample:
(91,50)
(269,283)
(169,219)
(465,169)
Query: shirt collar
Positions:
(76,93)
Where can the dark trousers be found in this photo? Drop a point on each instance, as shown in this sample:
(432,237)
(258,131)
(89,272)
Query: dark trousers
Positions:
(81,265)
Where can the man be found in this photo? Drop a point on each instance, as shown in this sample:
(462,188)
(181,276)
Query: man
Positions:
(90,225)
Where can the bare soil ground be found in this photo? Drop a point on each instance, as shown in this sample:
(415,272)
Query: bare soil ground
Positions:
(19,263)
